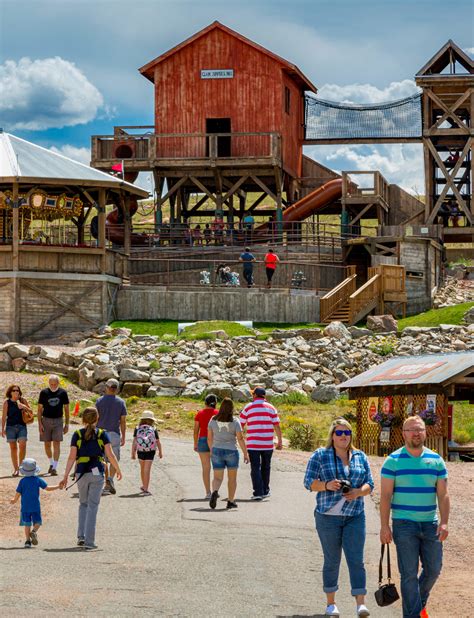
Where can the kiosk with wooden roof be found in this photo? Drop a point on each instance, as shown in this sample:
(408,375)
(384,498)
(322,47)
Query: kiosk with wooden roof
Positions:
(55,275)
(389,393)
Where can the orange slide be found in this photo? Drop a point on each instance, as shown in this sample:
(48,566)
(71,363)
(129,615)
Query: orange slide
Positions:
(314,201)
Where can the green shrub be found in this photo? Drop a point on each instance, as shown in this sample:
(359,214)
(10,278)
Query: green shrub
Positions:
(302,437)
(155,364)
(291,399)
(163,349)
(133,399)
(461,436)
(383,347)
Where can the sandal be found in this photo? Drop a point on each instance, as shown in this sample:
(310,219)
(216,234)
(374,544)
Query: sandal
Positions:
(16,473)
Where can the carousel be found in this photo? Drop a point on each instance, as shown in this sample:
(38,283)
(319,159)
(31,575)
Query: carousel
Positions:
(58,270)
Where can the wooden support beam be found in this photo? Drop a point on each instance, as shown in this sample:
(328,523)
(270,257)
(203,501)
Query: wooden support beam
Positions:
(264,187)
(198,204)
(174,188)
(360,214)
(449,111)
(15,228)
(204,189)
(101,225)
(235,187)
(450,183)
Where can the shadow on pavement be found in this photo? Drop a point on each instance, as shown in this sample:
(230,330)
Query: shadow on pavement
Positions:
(60,550)
(11,548)
(301,616)
(192,500)
(136,495)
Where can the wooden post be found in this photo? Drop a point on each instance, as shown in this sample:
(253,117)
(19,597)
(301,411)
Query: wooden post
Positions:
(101,240)
(15,228)
(127,233)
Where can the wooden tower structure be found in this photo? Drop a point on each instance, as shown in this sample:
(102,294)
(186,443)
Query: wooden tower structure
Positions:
(447,81)
(229,121)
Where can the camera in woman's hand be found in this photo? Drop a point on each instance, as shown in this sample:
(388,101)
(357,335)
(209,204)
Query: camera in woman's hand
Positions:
(345,486)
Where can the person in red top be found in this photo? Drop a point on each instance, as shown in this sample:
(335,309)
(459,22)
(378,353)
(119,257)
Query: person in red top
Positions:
(201,421)
(271,260)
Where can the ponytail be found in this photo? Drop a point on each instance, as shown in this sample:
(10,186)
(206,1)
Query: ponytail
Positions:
(90,416)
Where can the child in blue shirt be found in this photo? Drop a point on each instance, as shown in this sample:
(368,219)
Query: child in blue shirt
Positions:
(29,489)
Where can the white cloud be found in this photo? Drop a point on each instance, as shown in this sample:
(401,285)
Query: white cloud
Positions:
(82,155)
(367,93)
(44,94)
(470,51)
(400,164)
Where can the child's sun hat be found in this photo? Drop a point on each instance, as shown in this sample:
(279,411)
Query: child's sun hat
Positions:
(147,415)
(29,467)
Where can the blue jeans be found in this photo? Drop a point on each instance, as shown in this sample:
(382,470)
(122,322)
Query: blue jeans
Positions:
(260,462)
(341,532)
(417,541)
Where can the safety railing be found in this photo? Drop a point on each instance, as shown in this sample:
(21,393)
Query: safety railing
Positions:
(364,299)
(337,297)
(124,145)
(189,273)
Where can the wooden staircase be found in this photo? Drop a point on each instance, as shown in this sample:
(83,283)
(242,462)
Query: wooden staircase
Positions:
(348,304)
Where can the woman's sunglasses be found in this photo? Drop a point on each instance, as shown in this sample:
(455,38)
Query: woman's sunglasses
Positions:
(15,390)
(343,432)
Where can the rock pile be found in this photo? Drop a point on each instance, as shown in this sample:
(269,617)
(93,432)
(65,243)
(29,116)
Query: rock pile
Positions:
(454,292)
(309,361)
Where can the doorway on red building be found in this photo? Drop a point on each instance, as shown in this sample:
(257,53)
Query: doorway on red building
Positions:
(219,125)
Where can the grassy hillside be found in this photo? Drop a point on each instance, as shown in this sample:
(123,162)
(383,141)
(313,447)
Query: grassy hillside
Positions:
(435,317)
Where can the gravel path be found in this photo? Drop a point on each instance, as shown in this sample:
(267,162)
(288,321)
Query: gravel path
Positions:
(169,554)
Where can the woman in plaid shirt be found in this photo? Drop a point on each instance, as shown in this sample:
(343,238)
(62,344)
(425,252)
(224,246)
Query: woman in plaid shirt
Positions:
(341,476)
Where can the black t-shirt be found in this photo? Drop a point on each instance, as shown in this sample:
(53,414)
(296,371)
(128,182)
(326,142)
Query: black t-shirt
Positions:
(53,402)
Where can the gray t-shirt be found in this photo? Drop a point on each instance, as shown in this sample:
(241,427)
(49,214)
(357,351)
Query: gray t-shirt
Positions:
(225,434)
(110,408)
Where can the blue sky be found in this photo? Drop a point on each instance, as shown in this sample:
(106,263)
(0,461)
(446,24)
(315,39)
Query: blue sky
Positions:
(68,68)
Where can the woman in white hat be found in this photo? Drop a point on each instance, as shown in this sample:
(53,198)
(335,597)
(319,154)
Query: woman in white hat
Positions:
(146,442)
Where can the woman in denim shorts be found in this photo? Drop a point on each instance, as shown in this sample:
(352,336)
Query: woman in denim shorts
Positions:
(223,433)
(13,426)
(201,422)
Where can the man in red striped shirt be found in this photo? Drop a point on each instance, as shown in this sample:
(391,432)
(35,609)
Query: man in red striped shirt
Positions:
(261,421)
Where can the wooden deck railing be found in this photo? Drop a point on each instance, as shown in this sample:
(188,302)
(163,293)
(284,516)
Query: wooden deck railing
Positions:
(364,299)
(337,297)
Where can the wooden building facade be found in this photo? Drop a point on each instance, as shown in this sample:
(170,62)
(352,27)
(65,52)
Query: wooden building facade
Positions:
(229,120)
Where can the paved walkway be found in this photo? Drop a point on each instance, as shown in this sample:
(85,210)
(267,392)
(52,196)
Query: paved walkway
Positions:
(170,554)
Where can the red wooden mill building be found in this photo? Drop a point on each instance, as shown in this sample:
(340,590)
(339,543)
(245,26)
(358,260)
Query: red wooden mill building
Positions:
(229,119)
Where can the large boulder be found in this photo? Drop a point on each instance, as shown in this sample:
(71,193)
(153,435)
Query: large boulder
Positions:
(105,372)
(5,361)
(325,393)
(137,389)
(382,323)
(242,393)
(133,375)
(285,376)
(221,389)
(86,379)
(50,355)
(18,364)
(337,330)
(18,351)
(357,333)
(167,382)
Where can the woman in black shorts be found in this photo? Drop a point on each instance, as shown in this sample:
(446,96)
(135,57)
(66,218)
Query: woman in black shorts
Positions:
(146,442)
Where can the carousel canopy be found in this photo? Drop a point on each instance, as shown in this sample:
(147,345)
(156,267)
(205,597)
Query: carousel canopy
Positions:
(22,161)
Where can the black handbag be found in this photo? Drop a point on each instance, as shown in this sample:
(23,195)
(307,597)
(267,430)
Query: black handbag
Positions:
(387,593)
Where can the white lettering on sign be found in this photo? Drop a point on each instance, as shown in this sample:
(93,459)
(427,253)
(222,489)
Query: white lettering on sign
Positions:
(217,73)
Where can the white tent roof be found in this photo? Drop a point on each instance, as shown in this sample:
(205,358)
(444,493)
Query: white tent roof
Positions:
(21,159)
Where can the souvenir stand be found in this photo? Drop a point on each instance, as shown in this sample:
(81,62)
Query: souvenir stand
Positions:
(425,385)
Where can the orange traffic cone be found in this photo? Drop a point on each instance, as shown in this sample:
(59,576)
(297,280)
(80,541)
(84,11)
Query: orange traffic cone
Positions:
(76,409)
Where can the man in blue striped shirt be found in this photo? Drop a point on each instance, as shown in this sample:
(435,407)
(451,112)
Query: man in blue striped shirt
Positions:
(414,483)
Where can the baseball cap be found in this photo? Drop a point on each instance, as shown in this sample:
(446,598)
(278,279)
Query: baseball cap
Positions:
(259,391)
(112,383)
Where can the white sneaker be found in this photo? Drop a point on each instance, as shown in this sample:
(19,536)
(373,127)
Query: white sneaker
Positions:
(331,610)
(362,610)
(208,496)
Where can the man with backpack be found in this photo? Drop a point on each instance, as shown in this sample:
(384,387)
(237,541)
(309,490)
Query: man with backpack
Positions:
(112,418)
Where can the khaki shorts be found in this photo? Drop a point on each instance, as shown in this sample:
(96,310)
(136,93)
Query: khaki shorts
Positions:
(53,429)
(115,444)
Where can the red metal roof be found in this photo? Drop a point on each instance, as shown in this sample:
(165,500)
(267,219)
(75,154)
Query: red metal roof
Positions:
(148,69)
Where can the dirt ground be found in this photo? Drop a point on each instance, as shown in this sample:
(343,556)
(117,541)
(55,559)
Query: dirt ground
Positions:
(451,590)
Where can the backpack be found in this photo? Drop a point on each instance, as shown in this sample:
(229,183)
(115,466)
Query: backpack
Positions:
(146,439)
